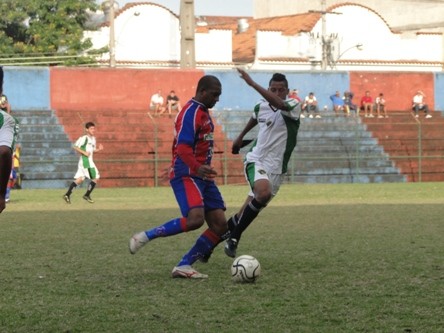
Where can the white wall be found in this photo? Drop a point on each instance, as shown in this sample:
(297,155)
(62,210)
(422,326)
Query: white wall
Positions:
(395,12)
(215,46)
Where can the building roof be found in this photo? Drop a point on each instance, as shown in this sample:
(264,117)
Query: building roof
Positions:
(244,43)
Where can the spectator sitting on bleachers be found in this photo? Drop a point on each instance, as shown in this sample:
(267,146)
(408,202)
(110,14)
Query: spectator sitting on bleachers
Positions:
(367,105)
(348,103)
(419,105)
(380,106)
(310,106)
(338,103)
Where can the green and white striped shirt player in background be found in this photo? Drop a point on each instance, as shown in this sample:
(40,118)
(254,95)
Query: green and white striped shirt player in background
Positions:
(86,147)
(8,134)
(266,163)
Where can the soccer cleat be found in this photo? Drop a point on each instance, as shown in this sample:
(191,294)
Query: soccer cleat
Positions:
(428,116)
(230,247)
(187,272)
(88,198)
(67,199)
(137,242)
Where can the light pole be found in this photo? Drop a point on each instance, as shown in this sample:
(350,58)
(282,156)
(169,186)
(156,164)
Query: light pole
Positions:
(187,26)
(326,41)
(358,46)
(112,41)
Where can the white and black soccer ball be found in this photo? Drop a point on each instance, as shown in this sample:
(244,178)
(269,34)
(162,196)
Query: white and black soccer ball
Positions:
(245,269)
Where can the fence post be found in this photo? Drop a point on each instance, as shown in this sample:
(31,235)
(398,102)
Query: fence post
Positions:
(357,146)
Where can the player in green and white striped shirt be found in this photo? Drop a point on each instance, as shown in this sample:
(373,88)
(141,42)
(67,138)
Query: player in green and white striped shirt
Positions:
(8,134)
(86,147)
(266,163)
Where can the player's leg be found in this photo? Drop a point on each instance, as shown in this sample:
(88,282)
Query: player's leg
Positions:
(217,231)
(79,177)
(5,171)
(262,194)
(204,246)
(8,133)
(188,195)
(93,175)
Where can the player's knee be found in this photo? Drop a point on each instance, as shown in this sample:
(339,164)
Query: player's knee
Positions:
(195,222)
(263,197)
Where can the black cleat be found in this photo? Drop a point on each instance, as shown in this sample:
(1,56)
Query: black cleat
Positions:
(88,198)
(230,247)
(67,199)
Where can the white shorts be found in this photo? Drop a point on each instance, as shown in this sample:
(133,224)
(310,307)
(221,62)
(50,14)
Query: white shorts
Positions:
(90,173)
(255,171)
(8,131)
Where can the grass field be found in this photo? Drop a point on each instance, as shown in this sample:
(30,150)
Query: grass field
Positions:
(335,258)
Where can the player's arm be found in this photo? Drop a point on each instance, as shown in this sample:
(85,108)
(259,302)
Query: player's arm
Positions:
(238,143)
(99,148)
(80,151)
(273,99)
(186,154)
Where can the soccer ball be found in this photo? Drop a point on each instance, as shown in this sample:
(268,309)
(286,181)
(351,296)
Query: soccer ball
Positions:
(245,269)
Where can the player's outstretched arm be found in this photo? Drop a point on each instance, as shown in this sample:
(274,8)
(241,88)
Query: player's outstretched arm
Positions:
(273,99)
(238,142)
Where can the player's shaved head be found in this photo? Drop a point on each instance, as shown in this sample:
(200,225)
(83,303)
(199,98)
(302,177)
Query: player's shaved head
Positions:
(206,82)
(208,90)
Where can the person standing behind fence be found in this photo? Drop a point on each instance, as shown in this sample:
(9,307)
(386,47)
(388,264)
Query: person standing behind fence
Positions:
(86,146)
(420,105)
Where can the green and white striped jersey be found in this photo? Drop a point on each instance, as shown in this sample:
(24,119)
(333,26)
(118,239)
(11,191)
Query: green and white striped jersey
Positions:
(277,135)
(87,144)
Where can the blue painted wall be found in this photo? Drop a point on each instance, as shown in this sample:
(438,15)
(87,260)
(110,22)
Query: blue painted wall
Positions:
(27,88)
(439,91)
(236,94)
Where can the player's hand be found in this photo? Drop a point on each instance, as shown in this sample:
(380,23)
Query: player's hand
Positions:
(244,75)
(206,172)
(237,145)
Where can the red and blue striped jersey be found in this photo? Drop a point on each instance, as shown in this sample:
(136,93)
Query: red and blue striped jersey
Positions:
(193,140)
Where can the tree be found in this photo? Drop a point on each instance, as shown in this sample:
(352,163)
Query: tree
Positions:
(39,30)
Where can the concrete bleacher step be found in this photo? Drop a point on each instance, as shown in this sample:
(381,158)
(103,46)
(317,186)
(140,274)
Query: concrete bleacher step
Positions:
(47,159)
(409,140)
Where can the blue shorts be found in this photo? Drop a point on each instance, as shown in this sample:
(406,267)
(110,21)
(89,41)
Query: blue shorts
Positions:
(194,192)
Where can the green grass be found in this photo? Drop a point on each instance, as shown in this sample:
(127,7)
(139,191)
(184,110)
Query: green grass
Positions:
(335,258)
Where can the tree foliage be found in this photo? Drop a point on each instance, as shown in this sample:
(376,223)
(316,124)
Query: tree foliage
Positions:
(36,28)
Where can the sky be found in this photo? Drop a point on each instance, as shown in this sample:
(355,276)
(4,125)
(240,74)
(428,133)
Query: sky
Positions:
(205,7)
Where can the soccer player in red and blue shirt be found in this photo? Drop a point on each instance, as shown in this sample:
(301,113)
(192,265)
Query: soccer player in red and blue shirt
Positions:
(192,180)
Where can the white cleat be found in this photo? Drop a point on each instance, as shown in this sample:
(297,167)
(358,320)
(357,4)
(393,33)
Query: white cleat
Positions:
(428,116)
(187,272)
(137,242)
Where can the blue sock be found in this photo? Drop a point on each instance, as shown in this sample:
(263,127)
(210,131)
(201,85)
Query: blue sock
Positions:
(204,245)
(170,228)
